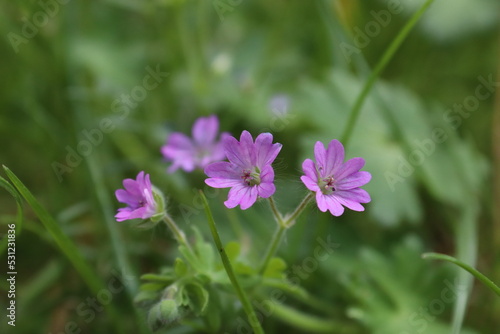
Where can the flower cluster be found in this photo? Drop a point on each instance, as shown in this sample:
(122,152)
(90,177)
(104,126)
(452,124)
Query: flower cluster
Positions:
(249,172)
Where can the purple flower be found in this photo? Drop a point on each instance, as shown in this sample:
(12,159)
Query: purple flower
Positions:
(335,182)
(187,153)
(138,195)
(279,104)
(248,172)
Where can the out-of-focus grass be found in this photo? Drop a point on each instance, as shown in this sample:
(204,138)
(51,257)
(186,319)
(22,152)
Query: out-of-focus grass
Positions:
(65,79)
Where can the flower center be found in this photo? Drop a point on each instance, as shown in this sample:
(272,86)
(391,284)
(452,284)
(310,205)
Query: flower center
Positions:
(327,185)
(251,178)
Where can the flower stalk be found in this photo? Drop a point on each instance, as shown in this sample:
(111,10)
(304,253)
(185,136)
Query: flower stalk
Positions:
(177,232)
(283,225)
(247,306)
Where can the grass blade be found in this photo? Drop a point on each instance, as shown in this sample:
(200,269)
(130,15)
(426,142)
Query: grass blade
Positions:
(382,63)
(65,244)
(477,274)
(19,215)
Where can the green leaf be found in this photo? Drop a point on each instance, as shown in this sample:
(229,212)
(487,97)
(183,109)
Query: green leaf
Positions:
(214,312)
(180,268)
(167,278)
(275,268)
(145,296)
(197,295)
(152,286)
(204,251)
(190,258)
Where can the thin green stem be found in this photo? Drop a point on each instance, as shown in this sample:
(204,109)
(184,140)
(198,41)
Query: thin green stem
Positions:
(485,280)
(276,213)
(178,233)
(386,57)
(291,219)
(273,246)
(283,225)
(247,306)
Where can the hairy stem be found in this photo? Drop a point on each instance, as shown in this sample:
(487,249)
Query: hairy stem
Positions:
(247,306)
(283,225)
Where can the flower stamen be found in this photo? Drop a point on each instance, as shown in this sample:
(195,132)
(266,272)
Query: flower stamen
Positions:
(250,178)
(327,185)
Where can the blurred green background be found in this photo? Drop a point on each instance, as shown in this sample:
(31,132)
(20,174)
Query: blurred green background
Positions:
(73,72)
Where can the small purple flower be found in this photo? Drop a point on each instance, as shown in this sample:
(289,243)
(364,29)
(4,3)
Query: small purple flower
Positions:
(335,182)
(187,153)
(279,104)
(249,172)
(138,195)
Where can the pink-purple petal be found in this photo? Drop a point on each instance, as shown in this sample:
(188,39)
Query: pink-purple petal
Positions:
(187,153)
(266,190)
(222,183)
(247,149)
(265,150)
(238,195)
(223,169)
(267,174)
(138,196)
(357,194)
(132,187)
(310,184)
(321,201)
(349,203)
(246,159)
(334,206)
(205,130)
(124,196)
(176,142)
(341,181)
(355,180)
(309,168)
(232,149)
(320,156)
(349,167)
(334,157)
(249,199)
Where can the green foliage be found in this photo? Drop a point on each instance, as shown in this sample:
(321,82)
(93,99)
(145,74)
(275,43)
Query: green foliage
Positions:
(64,81)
